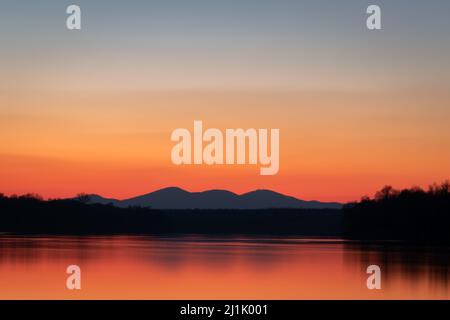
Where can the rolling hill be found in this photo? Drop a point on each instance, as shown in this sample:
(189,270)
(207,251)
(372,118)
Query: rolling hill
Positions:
(176,198)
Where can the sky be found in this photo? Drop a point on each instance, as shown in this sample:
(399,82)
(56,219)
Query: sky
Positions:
(93,110)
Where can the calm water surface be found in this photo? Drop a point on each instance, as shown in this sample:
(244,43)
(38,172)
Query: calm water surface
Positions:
(194,267)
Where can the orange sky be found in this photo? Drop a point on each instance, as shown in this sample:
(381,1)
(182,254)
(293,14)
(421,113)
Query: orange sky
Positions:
(334,145)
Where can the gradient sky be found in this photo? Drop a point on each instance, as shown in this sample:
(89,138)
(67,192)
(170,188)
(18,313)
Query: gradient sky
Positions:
(92,110)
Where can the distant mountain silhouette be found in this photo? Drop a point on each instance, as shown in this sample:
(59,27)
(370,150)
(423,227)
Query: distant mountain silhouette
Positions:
(176,198)
(31,215)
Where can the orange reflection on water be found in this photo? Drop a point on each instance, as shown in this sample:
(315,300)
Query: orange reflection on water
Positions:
(215,268)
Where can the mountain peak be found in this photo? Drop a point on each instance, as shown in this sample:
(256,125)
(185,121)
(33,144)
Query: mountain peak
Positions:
(170,189)
(262,191)
(218,191)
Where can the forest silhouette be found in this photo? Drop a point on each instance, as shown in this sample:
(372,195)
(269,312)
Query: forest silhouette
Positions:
(30,214)
(410,215)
